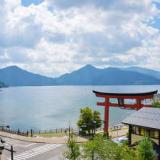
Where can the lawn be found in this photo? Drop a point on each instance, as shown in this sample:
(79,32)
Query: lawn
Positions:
(51,134)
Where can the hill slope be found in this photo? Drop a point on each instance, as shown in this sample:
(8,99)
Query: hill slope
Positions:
(15,76)
(150,72)
(90,75)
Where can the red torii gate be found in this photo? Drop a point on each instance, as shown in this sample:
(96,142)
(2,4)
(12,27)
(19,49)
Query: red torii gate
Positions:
(121,97)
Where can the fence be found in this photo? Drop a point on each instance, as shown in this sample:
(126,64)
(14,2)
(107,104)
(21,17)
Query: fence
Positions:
(18,132)
(36,132)
(57,130)
(52,131)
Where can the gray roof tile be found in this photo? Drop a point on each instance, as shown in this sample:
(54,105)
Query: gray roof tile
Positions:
(146,117)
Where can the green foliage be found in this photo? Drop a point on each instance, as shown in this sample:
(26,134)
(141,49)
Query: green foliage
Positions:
(104,149)
(89,120)
(127,153)
(89,149)
(124,142)
(156,104)
(2,84)
(101,148)
(145,150)
(73,152)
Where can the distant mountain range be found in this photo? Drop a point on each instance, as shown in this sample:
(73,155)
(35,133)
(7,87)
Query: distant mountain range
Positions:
(87,75)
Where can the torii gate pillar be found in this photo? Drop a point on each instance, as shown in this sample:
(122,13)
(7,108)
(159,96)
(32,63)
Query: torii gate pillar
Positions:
(106,116)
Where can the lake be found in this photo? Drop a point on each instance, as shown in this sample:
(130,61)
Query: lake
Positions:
(56,106)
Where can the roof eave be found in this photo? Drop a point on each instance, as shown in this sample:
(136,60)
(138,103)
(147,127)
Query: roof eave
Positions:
(126,94)
(141,126)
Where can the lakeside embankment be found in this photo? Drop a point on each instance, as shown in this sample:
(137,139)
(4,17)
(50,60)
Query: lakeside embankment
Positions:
(61,138)
(37,139)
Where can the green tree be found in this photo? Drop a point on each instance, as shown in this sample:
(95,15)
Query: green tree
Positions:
(89,120)
(73,152)
(105,149)
(100,148)
(145,150)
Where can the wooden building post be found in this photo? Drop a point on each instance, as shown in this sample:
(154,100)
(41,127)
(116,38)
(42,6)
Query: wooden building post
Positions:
(159,138)
(139,105)
(130,135)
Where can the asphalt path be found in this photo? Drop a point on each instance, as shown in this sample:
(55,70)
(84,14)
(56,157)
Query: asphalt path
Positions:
(33,151)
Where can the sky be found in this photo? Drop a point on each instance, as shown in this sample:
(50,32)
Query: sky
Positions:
(53,37)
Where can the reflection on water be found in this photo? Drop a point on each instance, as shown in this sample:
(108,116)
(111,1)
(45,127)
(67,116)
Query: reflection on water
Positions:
(56,106)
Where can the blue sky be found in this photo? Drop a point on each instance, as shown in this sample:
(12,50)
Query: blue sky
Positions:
(29,2)
(53,37)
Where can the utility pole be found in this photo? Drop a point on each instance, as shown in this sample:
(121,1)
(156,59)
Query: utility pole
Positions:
(12,152)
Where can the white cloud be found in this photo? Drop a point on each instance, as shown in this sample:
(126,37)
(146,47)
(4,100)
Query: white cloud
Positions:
(58,36)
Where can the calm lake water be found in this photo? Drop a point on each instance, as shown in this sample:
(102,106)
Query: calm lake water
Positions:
(56,106)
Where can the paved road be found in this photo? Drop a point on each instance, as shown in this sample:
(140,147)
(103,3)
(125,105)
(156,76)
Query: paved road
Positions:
(33,151)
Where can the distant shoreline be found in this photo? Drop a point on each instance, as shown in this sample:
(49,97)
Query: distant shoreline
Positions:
(78,85)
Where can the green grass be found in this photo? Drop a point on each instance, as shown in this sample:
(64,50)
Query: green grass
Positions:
(51,134)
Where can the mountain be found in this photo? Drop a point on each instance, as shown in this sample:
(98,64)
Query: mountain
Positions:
(87,75)
(15,76)
(83,76)
(150,72)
